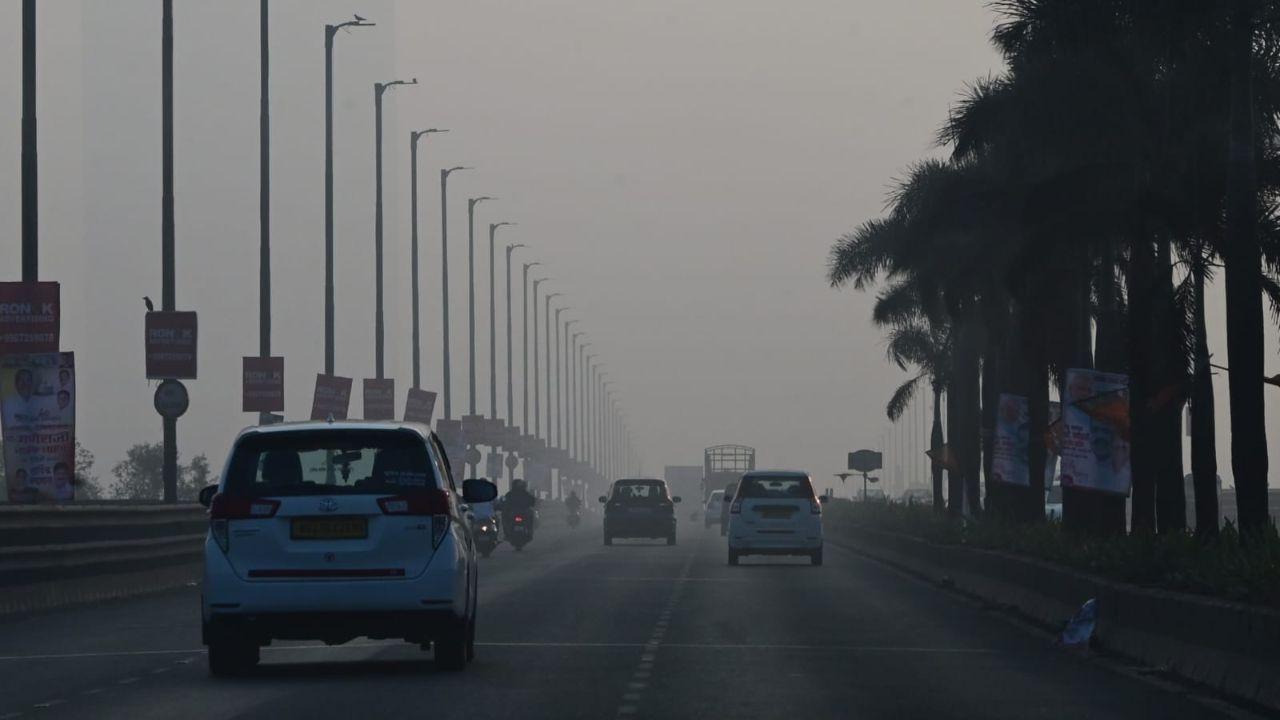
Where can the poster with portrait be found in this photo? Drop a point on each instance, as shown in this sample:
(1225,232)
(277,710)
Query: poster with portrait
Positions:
(38,422)
(1094,442)
(1010,459)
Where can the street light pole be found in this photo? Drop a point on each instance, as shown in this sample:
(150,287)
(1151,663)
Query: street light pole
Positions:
(329,32)
(414,136)
(379,329)
(537,374)
(30,165)
(524,343)
(562,390)
(493,324)
(444,282)
(471,296)
(264,188)
(167,292)
(511,414)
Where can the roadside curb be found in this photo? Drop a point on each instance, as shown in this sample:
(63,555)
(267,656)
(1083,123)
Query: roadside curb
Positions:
(1229,648)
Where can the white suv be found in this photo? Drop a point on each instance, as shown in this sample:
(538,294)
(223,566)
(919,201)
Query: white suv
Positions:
(338,530)
(775,512)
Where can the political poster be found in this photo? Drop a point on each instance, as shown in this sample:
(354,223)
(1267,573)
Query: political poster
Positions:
(171,345)
(493,465)
(379,399)
(419,406)
(332,397)
(1051,445)
(38,422)
(1094,442)
(29,317)
(1010,457)
(263,384)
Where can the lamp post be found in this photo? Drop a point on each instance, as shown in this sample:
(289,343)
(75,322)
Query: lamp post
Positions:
(471,296)
(30,165)
(414,137)
(537,374)
(329,32)
(584,403)
(169,469)
(444,282)
(379,328)
(511,414)
(574,394)
(562,398)
(547,328)
(493,324)
(524,343)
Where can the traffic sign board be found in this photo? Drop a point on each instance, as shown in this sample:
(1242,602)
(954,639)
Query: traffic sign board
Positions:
(171,399)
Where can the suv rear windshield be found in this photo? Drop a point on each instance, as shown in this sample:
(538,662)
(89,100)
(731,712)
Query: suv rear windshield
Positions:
(639,491)
(796,486)
(330,462)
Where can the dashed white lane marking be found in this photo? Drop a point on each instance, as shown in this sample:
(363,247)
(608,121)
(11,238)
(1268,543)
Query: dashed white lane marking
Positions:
(644,669)
(127,681)
(10,716)
(49,703)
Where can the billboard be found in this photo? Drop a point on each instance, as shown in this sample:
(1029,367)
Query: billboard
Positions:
(29,317)
(379,399)
(263,384)
(38,421)
(331,398)
(1010,459)
(171,345)
(419,406)
(1094,444)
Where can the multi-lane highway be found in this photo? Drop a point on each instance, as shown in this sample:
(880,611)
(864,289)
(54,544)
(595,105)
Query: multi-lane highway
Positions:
(572,629)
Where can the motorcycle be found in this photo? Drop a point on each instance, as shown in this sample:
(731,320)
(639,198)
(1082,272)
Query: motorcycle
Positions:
(574,518)
(487,536)
(520,529)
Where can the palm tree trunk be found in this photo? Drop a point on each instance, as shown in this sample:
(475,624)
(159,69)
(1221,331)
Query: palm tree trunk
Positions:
(955,475)
(1165,403)
(1141,348)
(935,444)
(1204,452)
(992,383)
(1244,288)
(968,404)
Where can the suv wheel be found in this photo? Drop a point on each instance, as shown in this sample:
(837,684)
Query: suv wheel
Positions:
(671,539)
(733,557)
(608,539)
(451,647)
(229,656)
(816,557)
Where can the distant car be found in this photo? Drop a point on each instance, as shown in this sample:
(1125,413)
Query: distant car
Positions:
(639,508)
(775,512)
(332,531)
(712,514)
(725,503)
(917,495)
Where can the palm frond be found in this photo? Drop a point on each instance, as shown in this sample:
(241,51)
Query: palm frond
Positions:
(901,397)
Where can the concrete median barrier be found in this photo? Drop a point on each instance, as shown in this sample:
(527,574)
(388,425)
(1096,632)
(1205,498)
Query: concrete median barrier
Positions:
(58,555)
(1230,648)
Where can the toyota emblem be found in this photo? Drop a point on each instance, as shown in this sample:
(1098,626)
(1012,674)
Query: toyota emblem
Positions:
(328,505)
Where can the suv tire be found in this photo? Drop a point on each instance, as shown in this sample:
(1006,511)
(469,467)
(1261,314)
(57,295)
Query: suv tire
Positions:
(230,656)
(451,647)
(733,557)
(815,558)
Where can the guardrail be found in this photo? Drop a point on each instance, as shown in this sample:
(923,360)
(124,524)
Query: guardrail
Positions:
(54,555)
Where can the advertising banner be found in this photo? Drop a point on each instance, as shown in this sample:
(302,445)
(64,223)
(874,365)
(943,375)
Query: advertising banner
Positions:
(1095,442)
(538,476)
(263,384)
(455,446)
(379,399)
(1009,461)
(493,466)
(419,406)
(332,397)
(1051,446)
(38,418)
(29,317)
(171,345)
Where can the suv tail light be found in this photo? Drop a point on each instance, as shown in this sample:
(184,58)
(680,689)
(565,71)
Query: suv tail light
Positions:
(432,502)
(736,507)
(225,508)
(815,507)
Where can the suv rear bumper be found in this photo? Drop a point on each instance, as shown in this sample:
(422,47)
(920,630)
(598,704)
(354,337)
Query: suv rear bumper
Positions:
(752,543)
(642,527)
(332,627)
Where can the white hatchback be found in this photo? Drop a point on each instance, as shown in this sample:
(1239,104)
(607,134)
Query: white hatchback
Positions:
(332,531)
(711,516)
(775,512)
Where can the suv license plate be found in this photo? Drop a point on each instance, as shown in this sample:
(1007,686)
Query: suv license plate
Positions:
(337,528)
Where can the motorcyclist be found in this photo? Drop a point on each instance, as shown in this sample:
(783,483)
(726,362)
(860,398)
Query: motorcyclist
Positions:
(573,503)
(517,499)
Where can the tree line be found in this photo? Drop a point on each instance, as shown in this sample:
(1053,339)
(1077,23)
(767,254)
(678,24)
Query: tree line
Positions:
(1124,156)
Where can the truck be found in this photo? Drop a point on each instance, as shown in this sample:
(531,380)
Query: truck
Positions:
(723,466)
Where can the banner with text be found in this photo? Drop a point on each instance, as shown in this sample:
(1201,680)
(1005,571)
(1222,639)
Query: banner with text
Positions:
(1010,459)
(379,399)
(419,406)
(1095,445)
(38,422)
(29,317)
(171,345)
(332,397)
(263,384)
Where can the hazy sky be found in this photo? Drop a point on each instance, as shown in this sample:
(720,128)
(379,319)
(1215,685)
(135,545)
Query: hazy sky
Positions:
(680,168)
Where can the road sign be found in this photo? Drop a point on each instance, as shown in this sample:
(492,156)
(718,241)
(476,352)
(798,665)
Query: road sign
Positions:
(473,456)
(493,465)
(171,399)
(419,406)
(866,460)
(29,317)
(512,461)
(171,345)
(263,384)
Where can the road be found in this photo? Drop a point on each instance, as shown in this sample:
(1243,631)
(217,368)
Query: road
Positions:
(572,629)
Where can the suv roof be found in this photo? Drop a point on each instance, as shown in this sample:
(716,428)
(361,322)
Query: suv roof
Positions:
(775,473)
(336,425)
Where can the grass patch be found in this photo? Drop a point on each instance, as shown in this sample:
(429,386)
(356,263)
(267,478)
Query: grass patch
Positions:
(1222,567)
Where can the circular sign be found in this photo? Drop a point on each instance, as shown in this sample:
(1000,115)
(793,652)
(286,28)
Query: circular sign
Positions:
(473,456)
(171,399)
(512,461)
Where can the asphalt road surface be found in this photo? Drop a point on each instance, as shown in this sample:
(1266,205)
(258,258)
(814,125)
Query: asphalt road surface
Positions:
(572,629)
